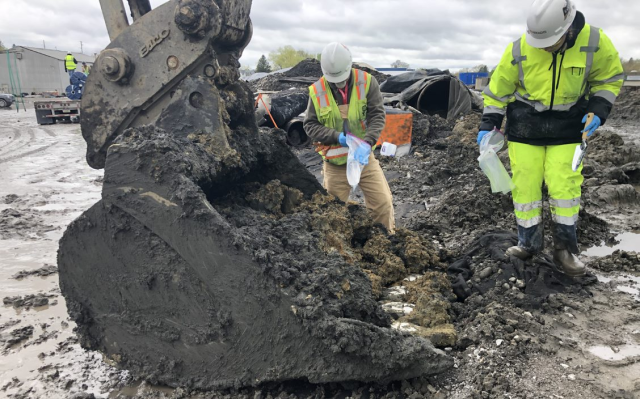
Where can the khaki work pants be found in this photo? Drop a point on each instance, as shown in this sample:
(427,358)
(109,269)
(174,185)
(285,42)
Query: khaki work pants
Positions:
(374,186)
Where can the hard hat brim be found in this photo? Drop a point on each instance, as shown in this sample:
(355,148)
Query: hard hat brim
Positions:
(544,43)
(339,78)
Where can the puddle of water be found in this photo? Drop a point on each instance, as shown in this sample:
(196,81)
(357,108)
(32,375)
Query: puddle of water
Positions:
(621,352)
(626,283)
(628,242)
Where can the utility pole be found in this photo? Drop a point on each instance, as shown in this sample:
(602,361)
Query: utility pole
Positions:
(44,45)
(81,48)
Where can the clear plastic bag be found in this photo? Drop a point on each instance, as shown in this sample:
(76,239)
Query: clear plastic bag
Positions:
(354,168)
(494,140)
(491,165)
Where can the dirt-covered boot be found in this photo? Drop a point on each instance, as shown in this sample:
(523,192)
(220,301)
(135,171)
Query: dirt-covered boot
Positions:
(518,252)
(568,263)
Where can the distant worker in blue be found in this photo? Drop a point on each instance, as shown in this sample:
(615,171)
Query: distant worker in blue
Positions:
(547,84)
(70,64)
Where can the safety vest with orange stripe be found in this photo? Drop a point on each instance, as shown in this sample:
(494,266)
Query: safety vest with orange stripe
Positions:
(328,112)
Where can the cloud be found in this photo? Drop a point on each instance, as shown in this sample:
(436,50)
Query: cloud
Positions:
(446,34)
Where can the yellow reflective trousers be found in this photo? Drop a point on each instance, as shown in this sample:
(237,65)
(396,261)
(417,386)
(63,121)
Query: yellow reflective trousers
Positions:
(531,166)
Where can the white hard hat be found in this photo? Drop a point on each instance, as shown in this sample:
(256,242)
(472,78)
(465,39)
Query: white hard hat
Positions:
(336,62)
(548,21)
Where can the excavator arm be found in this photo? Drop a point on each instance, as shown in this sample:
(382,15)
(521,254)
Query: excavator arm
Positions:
(145,62)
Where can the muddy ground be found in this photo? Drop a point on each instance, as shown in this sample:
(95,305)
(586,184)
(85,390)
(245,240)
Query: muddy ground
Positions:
(521,330)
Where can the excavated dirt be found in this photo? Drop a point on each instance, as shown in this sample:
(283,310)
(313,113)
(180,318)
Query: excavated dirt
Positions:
(627,106)
(447,196)
(245,272)
(621,261)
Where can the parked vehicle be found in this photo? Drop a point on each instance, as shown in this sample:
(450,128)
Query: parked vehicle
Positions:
(50,110)
(6,100)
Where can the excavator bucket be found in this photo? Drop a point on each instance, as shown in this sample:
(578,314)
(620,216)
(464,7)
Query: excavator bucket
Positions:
(214,259)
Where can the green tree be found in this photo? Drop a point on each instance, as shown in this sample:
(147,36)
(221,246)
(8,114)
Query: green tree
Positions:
(2,47)
(630,65)
(483,68)
(263,65)
(287,56)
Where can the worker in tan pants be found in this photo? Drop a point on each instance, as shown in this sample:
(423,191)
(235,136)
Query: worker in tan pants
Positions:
(348,101)
(377,195)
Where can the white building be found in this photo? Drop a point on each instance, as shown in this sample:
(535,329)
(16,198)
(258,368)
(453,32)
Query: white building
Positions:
(36,70)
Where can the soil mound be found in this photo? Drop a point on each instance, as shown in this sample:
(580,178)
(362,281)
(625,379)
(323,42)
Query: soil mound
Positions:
(627,105)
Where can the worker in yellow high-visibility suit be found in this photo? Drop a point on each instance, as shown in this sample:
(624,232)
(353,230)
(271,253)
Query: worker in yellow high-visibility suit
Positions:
(70,64)
(546,83)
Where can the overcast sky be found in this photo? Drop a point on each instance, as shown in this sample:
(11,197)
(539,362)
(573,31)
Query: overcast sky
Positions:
(443,34)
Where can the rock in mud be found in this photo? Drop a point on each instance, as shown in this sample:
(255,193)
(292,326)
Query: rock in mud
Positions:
(217,260)
(620,261)
(539,276)
(621,195)
(10,198)
(45,270)
(16,336)
(27,301)
(17,223)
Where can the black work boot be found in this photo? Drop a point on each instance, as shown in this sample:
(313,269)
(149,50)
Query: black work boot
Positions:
(518,252)
(565,243)
(530,242)
(568,263)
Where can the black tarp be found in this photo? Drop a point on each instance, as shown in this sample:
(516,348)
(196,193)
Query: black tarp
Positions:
(398,83)
(287,105)
(431,92)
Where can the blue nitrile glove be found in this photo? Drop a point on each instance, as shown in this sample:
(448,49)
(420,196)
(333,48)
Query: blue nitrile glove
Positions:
(481,134)
(362,153)
(342,139)
(595,123)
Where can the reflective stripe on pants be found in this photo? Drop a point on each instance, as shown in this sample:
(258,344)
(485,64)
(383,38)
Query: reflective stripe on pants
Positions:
(374,186)
(531,166)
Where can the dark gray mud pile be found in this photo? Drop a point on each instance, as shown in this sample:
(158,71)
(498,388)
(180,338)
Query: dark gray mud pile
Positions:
(484,267)
(21,223)
(45,270)
(620,261)
(627,106)
(450,198)
(440,193)
(612,169)
(27,301)
(213,260)
(499,301)
(301,76)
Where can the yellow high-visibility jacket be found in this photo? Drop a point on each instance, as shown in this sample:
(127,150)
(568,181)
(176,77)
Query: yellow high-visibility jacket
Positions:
(545,95)
(329,115)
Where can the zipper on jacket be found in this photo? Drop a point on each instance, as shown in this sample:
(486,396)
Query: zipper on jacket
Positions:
(553,80)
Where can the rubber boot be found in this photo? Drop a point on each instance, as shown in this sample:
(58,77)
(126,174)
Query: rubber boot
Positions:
(568,263)
(518,252)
